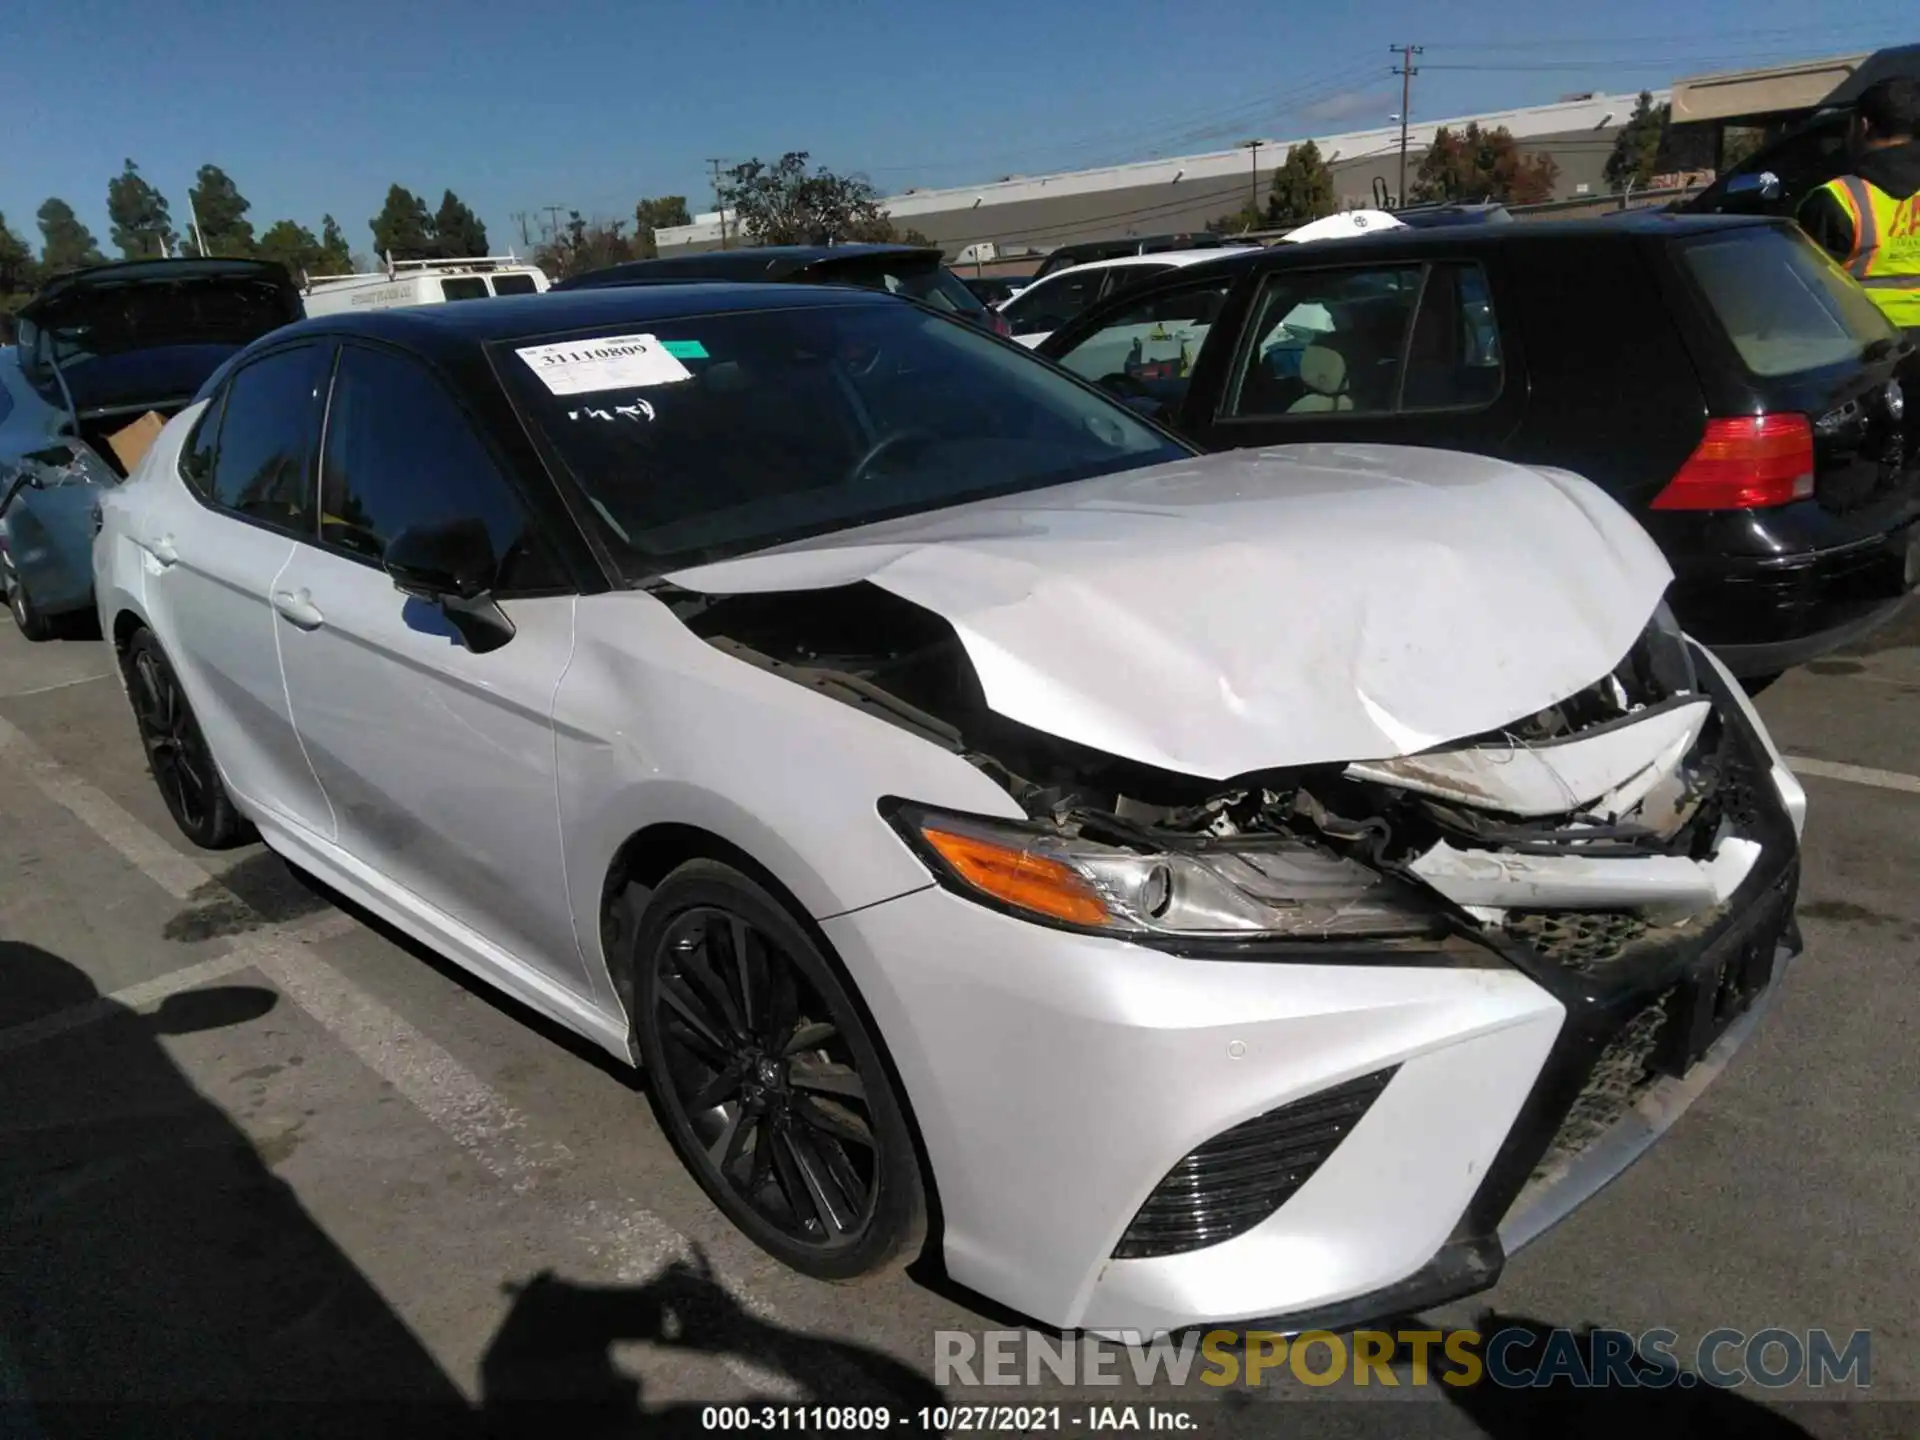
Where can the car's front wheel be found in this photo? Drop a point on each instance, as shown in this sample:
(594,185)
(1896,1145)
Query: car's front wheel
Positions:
(33,625)
(766,1078)
(177,752)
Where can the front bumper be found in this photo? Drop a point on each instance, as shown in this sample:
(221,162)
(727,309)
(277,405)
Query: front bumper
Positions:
(1058,1078)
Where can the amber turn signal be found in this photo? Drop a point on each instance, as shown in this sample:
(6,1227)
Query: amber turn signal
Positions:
(1020,878)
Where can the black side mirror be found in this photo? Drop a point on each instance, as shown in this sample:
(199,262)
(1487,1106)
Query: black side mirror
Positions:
(453,565)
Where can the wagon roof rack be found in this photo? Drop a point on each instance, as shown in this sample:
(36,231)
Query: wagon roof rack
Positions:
(473,264)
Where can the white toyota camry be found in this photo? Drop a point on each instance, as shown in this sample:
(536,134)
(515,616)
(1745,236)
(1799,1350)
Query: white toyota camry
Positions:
(1263,885)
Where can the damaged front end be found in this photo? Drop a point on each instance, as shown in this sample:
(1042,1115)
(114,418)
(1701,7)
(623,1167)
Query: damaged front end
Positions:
(1611,815)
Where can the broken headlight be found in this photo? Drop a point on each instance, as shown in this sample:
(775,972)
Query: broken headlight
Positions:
(1270,888)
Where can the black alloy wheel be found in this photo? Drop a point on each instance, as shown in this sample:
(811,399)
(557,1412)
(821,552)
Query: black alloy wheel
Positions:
(766,1078)
(177,752)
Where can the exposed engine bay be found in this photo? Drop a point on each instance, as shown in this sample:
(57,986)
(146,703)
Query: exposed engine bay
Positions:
(1617,800)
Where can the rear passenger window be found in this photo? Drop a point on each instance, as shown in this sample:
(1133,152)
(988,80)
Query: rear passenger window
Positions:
(260,469)
(469,287)
(1453,358)
(196,456)
(514,285)
(401,453)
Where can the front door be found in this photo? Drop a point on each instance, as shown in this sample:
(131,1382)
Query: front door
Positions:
(213,546)
(439,762)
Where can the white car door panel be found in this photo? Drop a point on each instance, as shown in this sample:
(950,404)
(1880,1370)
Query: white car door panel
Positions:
(438,761)
(209,573)
(423,746)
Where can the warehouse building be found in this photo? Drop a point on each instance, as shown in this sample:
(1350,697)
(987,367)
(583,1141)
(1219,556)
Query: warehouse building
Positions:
(1028,214)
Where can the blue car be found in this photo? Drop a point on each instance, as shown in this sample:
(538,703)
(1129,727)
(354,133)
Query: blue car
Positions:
(97,350)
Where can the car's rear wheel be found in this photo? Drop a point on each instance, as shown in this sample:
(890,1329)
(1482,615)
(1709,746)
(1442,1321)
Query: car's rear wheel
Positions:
(33,625)
(766,1078)
(177,752)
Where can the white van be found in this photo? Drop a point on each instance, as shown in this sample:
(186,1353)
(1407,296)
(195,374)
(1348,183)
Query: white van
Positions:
(422,282)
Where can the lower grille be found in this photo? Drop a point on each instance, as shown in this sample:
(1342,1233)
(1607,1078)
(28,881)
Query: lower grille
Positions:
(1241,1176)
(1583,941)
(1621,1075)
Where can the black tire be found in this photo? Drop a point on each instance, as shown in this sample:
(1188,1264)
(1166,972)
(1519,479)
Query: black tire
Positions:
(33,625)
(177,755)
(775,1095)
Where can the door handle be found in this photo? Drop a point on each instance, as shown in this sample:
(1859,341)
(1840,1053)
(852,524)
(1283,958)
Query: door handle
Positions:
(163,551)
(299,609)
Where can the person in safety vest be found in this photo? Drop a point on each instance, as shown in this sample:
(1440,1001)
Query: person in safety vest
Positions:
(1869,218)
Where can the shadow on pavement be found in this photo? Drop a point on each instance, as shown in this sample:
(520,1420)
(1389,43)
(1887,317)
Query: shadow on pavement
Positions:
(157,1279)
(1565,1411)
(550,1369)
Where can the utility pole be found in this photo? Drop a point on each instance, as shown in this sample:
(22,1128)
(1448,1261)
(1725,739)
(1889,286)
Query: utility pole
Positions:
(719,204)
(1253,181)
(1406,70)
(523,219)
(553,220)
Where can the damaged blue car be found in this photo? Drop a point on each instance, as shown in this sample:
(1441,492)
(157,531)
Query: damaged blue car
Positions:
(103,357)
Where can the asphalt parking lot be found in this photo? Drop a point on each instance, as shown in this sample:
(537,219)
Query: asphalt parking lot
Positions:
(256,1149)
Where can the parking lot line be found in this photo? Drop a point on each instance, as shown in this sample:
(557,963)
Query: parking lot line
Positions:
(1854,774)
(620,1234)
(57,685)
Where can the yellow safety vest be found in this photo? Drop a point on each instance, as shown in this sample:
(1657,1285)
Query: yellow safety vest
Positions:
(1886,246)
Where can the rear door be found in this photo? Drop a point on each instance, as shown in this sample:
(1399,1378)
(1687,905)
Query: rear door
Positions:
(439,762)
(1409,352)
(213,549)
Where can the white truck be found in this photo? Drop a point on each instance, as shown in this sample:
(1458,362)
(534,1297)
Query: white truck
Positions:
(422,282)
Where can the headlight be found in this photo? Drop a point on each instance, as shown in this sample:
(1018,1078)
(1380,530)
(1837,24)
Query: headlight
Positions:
(1270,888)
(1669,661)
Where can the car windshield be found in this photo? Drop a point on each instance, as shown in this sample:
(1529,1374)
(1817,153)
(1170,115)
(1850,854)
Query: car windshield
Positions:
(710,436)
(1785,305)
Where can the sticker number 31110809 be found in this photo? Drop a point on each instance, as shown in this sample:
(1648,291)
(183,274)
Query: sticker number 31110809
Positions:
(612,362)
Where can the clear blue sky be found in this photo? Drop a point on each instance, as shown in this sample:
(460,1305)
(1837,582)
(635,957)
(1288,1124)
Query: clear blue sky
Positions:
(594,103)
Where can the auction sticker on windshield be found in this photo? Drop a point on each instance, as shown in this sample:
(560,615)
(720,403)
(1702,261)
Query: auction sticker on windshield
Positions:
(613,362)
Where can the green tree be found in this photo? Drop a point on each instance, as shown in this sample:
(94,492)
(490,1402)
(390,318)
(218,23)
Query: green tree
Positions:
(1302,187)
(786,204)
(1475,164)
(659,212)
(142,228)
(293,246)
(584,245)
(404,226)
(1238,223)
(19,272)
(457,229)
(1636,149)
(65,244)
(335,259)
(220,211)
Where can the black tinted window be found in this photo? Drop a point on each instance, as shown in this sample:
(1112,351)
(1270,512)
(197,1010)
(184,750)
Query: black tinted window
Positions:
(261,468)
(464,287)
(513,285)
(1453,357)
(400,453)
(196,456)
(1150,347)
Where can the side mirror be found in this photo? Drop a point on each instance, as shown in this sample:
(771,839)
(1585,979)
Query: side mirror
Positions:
(454,567)
(1761,185)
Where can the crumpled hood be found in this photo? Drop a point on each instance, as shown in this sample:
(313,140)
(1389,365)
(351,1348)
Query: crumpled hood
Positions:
(1299,605)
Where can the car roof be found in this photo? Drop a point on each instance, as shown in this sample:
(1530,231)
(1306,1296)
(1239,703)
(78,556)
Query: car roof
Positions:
(1163,257)
(469,324)
(1416,241)
(753,262)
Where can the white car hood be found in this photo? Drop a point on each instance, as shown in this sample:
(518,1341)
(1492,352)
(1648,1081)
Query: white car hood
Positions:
(1300,605)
